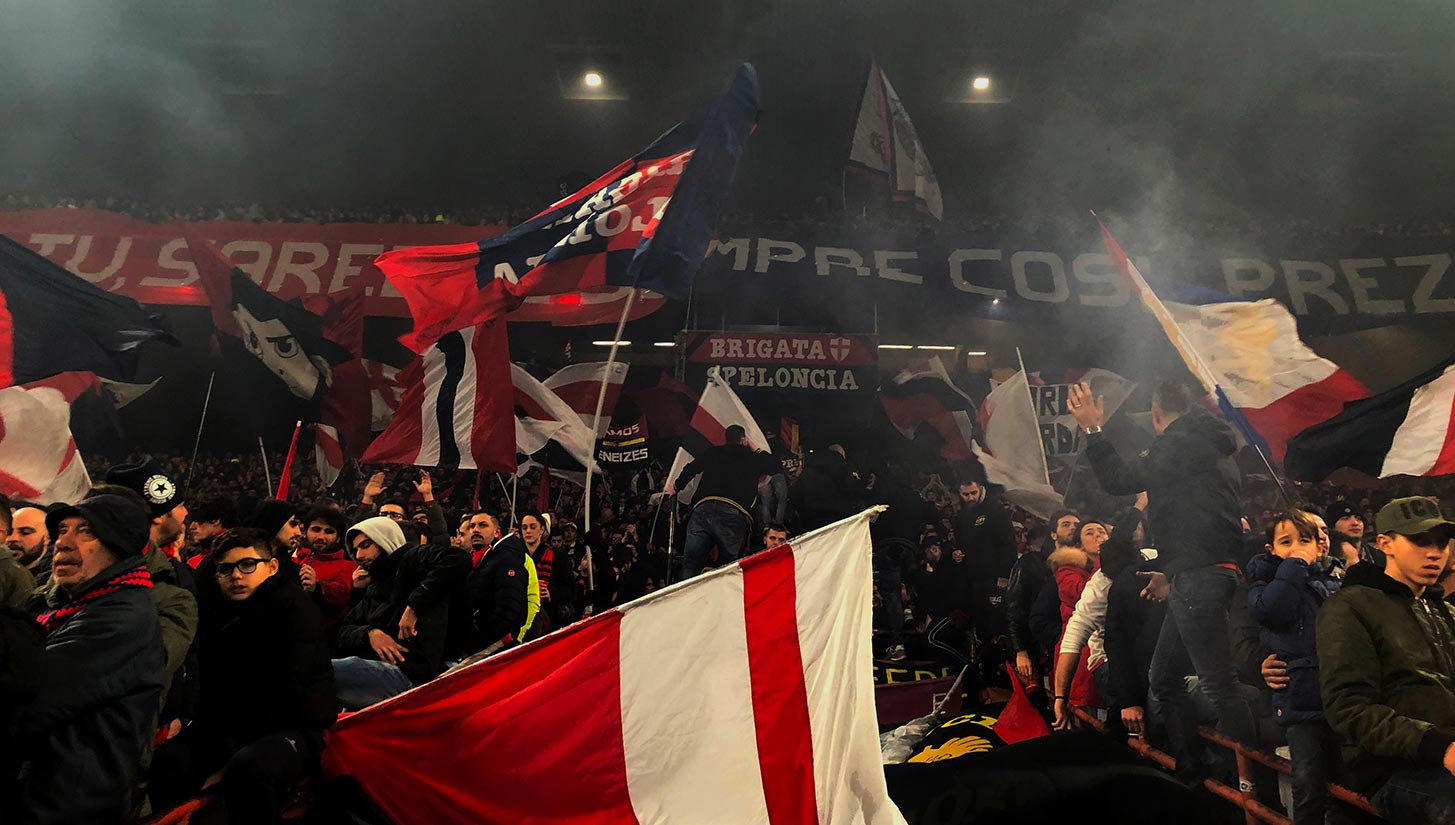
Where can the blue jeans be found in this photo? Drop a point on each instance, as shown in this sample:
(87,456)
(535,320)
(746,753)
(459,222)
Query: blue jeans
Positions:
(364,682)
(1195,634)
(713,522)
(1313,750)
(1417,796)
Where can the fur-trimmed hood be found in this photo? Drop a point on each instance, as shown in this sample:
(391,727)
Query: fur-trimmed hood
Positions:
(1070,557)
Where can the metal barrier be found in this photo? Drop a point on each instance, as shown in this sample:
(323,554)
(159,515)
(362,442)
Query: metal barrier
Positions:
(1245,757)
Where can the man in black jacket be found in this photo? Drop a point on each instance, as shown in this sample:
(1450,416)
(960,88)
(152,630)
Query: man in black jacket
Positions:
(827,490)
(1194,516)
(394,635)
(269,692)
(723,506)
(1386,645)
(491,612)
(983,532)
(81,741)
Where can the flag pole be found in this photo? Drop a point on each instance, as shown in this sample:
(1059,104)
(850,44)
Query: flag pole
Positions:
(1045,468)
(207,401)
(267,472)
(601,401)
(285,476)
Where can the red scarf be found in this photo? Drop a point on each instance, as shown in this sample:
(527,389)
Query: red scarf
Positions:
(53,620)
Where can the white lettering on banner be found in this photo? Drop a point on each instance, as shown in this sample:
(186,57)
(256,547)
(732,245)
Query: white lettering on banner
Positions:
(1320,286)
(346,269)
(1437,266)
(883,259)
(827,256)
(168,260)
(1240,287)
(787,252)
(791,378)
(737,247)
(958,259)
(305,270)
(1362,286)
(1019,266)
(45,243)
(83,248)
(622,456)
(1094,269)
(257,268)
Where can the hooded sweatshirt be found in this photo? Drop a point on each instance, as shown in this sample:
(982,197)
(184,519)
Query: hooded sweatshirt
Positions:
(420,577)
(1192,485)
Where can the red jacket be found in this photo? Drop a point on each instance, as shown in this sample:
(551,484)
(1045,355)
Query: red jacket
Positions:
(1073,568)
(335,589)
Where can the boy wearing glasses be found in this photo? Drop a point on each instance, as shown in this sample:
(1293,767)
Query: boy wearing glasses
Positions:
(268,694)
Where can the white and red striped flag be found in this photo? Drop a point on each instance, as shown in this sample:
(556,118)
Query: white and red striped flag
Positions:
(718,409)
(457,408)
(744,695)
(38,458)
(328,454)
(547,417)
(579,385)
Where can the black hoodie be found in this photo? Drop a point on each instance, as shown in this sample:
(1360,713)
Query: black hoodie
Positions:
(1193,495)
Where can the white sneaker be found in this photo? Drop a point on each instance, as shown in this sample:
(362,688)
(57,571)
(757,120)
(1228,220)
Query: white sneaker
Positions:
(895,653)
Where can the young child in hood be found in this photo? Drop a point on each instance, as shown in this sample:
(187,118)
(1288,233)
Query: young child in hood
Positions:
(1287,584)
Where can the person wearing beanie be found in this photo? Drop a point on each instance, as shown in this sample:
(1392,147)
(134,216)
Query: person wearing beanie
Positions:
(1344,519)
(1386,648)
(164,496)
(394,636)
(81,740)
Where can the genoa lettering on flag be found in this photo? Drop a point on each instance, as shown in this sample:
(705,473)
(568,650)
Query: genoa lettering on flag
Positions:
(744,695)
(646,224)
(457,410)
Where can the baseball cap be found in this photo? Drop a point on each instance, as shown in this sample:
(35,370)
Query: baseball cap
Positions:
(1411,516)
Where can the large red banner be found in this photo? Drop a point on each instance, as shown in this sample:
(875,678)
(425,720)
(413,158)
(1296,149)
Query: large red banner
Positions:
(152,263)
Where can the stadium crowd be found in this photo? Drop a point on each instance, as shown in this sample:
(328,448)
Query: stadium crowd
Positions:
(178,629)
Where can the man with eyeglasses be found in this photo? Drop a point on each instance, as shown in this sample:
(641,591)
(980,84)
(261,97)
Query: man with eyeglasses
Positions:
(394,636)
(269,692)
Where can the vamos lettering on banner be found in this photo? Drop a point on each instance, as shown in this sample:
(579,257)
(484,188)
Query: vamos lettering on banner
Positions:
(786,362)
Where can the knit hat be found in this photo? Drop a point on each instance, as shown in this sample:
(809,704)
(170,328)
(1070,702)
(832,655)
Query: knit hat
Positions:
(161,491)
(385,534)
(1338,510)
(116,522)
(271,514)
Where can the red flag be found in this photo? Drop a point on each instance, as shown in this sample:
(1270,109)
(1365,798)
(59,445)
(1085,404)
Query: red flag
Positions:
(646,223)
(458,409)
(744,695)
(285,478)
(1019,720)
(347,406)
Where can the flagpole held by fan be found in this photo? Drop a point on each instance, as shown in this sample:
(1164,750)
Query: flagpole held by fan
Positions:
(206,402)
(626,309)
(267,471)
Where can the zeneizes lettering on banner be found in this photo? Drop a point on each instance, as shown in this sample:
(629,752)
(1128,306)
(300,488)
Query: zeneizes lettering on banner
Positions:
(792,378)
(1343,286)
